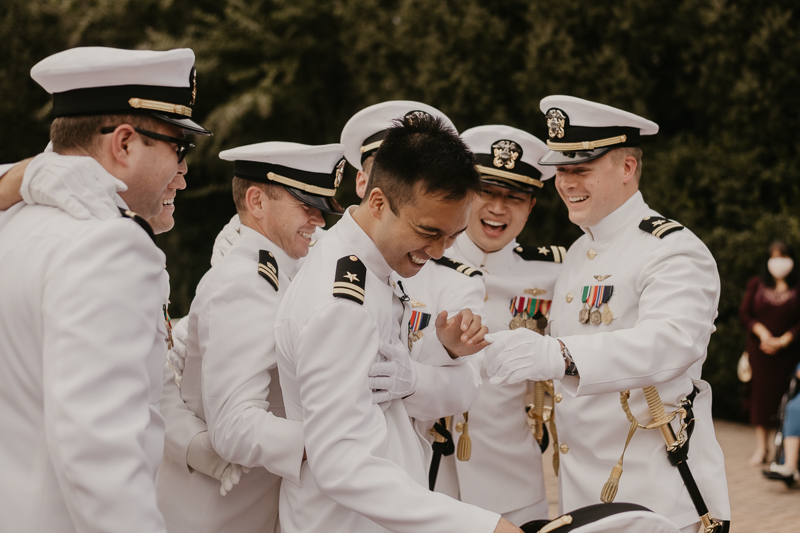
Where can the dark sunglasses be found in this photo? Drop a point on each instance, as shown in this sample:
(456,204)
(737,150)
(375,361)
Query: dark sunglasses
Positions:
(182,145)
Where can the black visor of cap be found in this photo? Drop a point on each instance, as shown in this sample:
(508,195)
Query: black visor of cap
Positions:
(323,203)
(554,157)
(375,137)
(115,100)
(578,134)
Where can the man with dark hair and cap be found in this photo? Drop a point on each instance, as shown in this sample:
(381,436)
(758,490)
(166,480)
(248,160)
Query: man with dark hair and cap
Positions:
(503,472)
(345,309)
(230,378)
(633,311)
(83,359)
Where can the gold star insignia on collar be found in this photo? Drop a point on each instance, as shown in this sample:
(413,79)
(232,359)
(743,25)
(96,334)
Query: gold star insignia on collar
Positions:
(543,250)
(352,277)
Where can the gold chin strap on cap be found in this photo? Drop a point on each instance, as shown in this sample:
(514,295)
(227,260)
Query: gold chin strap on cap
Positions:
(165,107)
(586,145)
(489,171)
(313,189)
(371,146)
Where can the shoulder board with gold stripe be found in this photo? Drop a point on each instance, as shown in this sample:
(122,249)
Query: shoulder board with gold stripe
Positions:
(552,253)
(139,220)
(458,266)
(268,267)
(351,278)
(659,226)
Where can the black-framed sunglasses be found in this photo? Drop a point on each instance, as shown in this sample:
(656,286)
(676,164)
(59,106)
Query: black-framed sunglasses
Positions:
(182,144)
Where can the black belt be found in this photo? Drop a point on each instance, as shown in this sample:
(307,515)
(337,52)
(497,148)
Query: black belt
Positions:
(445,448)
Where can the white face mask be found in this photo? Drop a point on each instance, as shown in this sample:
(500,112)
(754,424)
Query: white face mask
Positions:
(780,267)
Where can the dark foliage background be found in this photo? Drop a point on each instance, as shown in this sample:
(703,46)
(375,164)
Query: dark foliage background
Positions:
(720,77)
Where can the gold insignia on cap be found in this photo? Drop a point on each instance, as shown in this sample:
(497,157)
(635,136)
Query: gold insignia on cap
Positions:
(193,78)
(556,120)
(339,173)
(412,117)
(505,154)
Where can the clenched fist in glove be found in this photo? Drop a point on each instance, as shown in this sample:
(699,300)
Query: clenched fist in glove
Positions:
(396,377)
(520,355)
(202,457)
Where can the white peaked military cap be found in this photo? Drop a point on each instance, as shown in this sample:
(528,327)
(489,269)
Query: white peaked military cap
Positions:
(107,81)
(310,173)
(579,130)
(364,132)
(508,157)
(606,518)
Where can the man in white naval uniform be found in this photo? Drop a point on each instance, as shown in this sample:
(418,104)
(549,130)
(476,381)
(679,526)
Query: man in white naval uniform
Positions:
(633,307)
(343,311)
(504,472)
(230,379)
(83,359)
(445,289)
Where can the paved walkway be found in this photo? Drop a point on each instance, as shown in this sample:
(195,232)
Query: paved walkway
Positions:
(758,505)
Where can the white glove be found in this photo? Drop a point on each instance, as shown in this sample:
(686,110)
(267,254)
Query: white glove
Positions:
(520,354)
(202,457)
(177,355)
(226,238)
(396,377)
(77,185)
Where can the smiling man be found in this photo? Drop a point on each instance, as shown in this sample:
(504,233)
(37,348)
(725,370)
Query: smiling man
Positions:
(83,357)
(230,379)
(346,309)
(504,471)
(633,311)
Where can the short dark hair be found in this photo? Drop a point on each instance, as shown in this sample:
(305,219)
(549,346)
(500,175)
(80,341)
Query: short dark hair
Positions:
(422,151)
(240,186)
(792,277)
(83,132)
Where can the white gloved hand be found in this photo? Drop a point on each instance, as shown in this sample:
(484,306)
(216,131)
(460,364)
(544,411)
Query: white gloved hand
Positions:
(77,185)
(227,237)
(396,377)
(520,354)
(177,355)
(202,457)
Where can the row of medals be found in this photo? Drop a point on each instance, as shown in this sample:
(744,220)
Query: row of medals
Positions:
(596,316)
(528,322)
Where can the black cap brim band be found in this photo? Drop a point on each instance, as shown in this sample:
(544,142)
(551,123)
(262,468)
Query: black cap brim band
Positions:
(510,185)
(323,203)
(554,157)
(117,99)
(371,144)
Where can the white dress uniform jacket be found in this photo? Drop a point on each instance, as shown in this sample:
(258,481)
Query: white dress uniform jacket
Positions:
(365,470)
(664,304)
(504,473)
(82,346)
(230,381)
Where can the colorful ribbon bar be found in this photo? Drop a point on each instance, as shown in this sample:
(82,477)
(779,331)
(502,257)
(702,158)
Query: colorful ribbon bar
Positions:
(418,321)
(597,295)
(533,307)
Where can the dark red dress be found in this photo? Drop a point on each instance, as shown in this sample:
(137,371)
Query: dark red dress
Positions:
(779,312)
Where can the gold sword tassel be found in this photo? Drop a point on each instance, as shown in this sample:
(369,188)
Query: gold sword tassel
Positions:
(464,451)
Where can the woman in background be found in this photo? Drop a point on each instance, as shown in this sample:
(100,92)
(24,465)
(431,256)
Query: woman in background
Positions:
(771,313)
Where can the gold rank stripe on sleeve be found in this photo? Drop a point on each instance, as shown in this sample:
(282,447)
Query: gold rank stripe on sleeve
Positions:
(552,253)
(350,280)
(268,267)
(458,266)
(659,226)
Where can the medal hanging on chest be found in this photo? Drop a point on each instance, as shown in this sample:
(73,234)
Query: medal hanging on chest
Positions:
(416,324)
(595,308)
(167,321)
(529,313)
